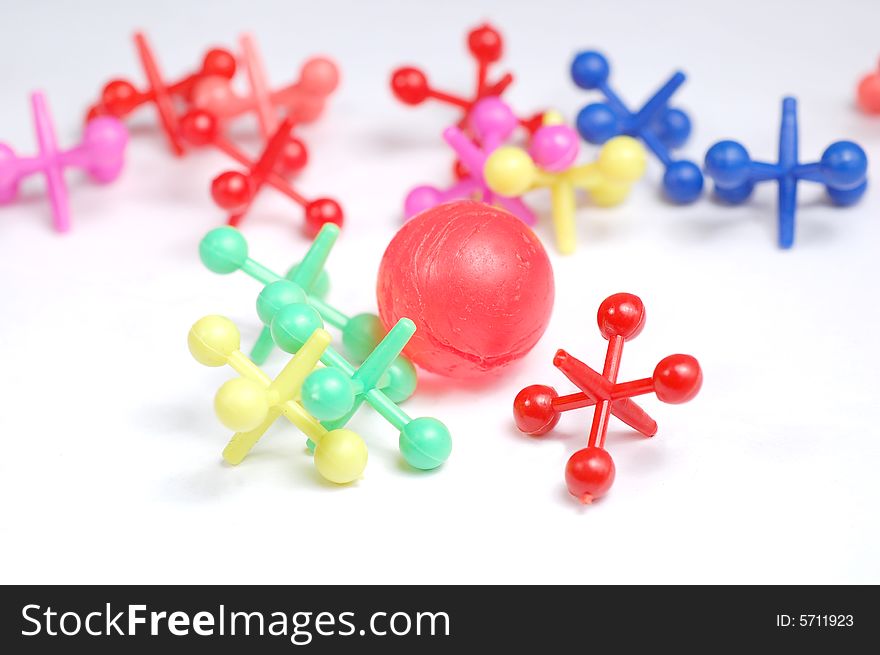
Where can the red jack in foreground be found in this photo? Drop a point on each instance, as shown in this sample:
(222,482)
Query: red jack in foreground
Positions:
(537,408)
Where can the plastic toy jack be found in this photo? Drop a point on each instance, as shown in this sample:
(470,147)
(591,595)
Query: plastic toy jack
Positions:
(224,250)
(101,154)
(250,404)
(334,393)
(549,162)
(119,97)
(842,169)
(234,191)
(492,123)
(660,127)
(410,85)
(537,409)
(868,93)
(303,100)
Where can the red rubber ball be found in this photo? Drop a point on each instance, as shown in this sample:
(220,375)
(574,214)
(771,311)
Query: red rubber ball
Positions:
(476,282)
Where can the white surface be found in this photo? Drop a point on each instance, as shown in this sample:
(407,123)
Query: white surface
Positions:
(111,468)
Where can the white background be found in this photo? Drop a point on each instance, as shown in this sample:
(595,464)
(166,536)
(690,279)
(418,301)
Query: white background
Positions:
(111,470)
